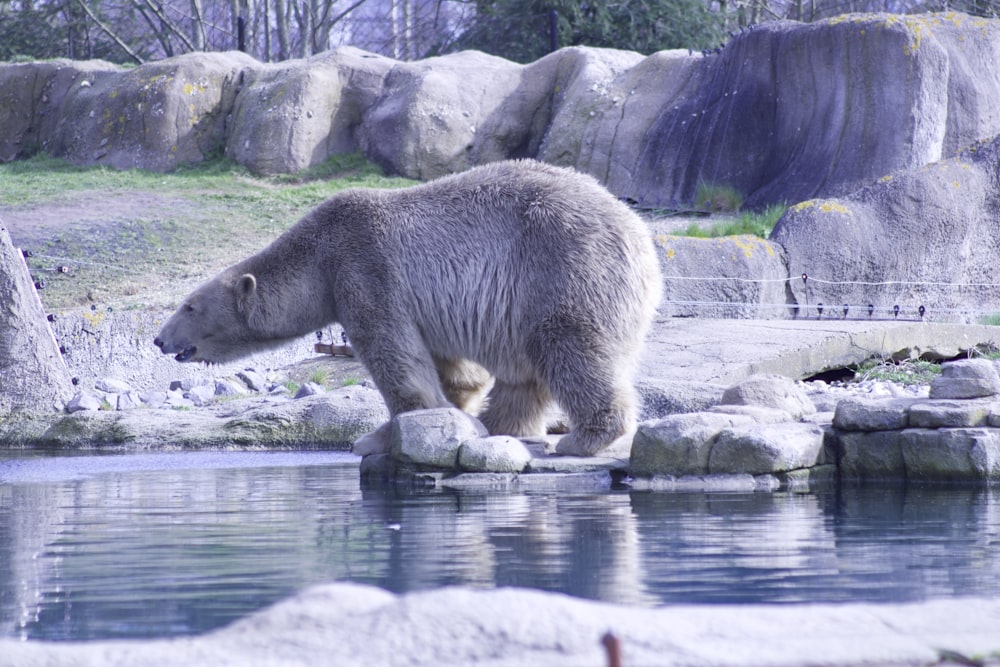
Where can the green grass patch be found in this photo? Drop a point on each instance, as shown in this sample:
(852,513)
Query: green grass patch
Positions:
(717,198)
(906,372)
(756,224)
(140,237)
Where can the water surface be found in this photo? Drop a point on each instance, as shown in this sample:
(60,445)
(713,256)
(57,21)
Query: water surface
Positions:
(173,544)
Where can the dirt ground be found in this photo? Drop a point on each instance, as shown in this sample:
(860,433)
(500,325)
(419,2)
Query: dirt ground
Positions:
(129,249)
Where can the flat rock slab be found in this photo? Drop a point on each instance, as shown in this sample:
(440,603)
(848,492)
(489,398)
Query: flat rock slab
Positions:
(334,625)
(727,351)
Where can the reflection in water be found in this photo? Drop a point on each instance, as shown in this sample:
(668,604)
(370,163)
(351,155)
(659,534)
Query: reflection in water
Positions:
(176,544)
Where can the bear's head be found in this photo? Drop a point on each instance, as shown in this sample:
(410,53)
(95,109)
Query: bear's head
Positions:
(215,323)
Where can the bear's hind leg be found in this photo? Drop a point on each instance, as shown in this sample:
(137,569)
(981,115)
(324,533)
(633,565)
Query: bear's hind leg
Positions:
(516,409)
(464,383)
(589,379)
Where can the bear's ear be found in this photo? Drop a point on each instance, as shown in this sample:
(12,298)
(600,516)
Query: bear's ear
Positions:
(245,287)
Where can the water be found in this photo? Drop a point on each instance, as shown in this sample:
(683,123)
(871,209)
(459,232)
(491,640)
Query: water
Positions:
(174,544)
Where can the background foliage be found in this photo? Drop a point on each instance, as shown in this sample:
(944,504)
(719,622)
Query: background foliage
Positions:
(522,30)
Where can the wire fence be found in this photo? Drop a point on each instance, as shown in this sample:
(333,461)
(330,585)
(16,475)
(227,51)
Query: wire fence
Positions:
(811,297)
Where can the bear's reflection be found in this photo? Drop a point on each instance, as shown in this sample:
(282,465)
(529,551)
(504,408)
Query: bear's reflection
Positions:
(585,545)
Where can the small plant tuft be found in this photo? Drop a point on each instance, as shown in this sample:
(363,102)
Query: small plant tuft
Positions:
(906,372)
(718,198)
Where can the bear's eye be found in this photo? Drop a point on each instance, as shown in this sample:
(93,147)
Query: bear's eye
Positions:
(188,307)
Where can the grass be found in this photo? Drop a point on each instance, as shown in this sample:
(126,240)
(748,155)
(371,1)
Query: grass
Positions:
(906,372)
(128,238)
(717,198)
(756,224)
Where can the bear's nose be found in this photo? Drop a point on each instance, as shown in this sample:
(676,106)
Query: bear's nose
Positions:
(158,343)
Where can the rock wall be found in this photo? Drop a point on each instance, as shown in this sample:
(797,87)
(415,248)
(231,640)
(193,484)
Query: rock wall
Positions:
(924,237)
(783,113)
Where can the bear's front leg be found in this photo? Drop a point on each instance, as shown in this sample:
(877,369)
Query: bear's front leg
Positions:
(403,371)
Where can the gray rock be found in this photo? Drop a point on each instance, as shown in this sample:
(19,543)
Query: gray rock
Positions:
(309,389)
(967,378)
(112,386)
(954,454)
(743,277)
(769,448)
(253,380)
(952,413)
(866,414)
(201,395)
(433,437)
(679,444)
(770,391)
(166,113)
(83,400)
(832,239)
(230,387)
(758,413)
(660,398)
(499,453)
(128,401)
(153,399)
(189,383)
(871,455)
(33,376)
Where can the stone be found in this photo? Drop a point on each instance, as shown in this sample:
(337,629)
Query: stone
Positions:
(951,455)
(875,455)
(952,413)
(189,383)
(309,389)
(726,277)
(660,398)
(230,387)
(952,199)
(499,453)
(867,414)
(153,399)
(433,437)
(770,391)
(83,400)
(128,401)
(112,386)
(253,380)
(679,444)
(758,413)
(159,116)
(201,395)
(33,375)
(966,378)
(769,448)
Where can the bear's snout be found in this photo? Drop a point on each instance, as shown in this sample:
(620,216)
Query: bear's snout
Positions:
(183,355)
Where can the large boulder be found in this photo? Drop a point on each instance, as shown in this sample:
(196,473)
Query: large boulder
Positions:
(426,120)
(731,276)
(32,97)
(297,113)
(920,238)
(782,113)
(33,375)
(158,116)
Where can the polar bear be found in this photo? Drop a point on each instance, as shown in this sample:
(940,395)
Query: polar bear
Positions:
(521,274)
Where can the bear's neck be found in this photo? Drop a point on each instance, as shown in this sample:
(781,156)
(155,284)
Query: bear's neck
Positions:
(293,296)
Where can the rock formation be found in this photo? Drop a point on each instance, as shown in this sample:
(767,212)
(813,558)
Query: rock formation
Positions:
(33,376)
(784,112)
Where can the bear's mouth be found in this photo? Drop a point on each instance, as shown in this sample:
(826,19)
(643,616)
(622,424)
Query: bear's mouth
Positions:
(186,353)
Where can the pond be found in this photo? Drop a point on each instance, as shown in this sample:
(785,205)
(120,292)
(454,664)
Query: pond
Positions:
(154,545)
